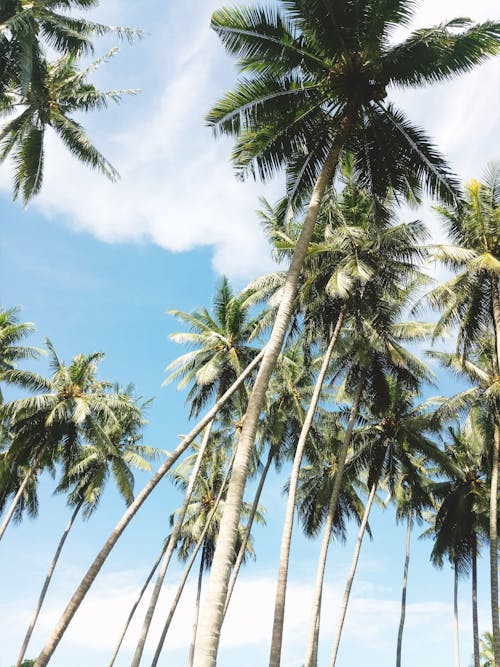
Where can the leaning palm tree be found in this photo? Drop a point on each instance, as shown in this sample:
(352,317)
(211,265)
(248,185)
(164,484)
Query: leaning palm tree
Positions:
(315,82)
(85,481)
(62,92)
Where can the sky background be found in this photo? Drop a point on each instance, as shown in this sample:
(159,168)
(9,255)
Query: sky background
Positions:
(96,265)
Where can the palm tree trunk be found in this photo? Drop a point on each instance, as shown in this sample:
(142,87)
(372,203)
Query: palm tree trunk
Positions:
(132,510)
(248,530)
(196,610)
(494,487)
(46,584)
(15,503)
(475,623)
(136,604)
(455,617)
(213,611)
(312,643)
(352,572)
(192,558)
(494,543)
(403,592)
(279,605)
(172,543)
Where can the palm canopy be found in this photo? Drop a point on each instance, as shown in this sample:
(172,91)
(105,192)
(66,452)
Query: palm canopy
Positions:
(309,68)
(221,346)
(12,333)
(468,299)
(27,28)
(62,91)
(68,409)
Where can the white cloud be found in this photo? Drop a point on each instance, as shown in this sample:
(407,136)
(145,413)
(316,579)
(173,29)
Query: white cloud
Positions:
(177,188)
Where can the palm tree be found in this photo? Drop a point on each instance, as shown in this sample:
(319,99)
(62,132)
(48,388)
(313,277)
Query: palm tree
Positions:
(85,481)
(311,88)
(481,370)
(220,348)
(142,496)
(357,246)
(487,650)
(471,300)
(63,90)
(461,517)
(70,408)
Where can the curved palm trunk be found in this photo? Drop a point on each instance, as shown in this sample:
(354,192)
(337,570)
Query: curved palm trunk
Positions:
(248,530)
(404,589)
(312,644)
(136,604)
(46,584)
(213,611)
(475,623)
(455,618)
(196,610)
(172,543)
(352,572)
(279,605)
(15,503)
(192,558)
(132,510)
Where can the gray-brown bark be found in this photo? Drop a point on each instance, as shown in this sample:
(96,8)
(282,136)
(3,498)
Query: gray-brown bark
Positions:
(172,543)
(352,572)
(280,599)
(213,610)
(455,617)
(312,644)
(404,590)
(46,584)
(132,510)
(475,622)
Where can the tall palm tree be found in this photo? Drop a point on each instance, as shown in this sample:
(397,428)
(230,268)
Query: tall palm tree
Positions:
(312,87)
(461,517)
(471,300)
(481,371)
(85,481)
(358,252)
(221,345)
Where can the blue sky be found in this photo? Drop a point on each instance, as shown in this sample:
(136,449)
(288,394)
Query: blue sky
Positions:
(96,265)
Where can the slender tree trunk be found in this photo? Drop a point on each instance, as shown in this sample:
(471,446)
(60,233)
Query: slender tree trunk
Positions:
(196,610)
(94,569)
(136,604)
(312,643)
(172,543)
(192,558)
(404,589)
(494,543)
(213,611)
(46,584)
(455,617)
(475,622)
(352,572)
(248,530)
(15,503)
(279,605)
